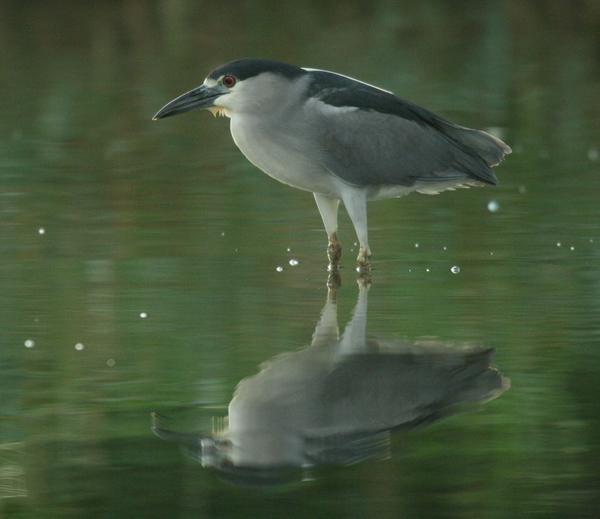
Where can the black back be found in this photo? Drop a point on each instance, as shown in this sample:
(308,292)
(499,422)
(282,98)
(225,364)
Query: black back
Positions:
(338,90)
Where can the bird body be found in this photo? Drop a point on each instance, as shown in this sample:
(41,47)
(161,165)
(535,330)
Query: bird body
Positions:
(341,139)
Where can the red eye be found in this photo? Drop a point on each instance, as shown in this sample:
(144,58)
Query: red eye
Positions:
(229,80)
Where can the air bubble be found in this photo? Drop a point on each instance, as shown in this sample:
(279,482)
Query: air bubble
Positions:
(455,269)
(493,206)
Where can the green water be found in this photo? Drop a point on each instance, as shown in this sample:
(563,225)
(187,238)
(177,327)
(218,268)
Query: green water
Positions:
(160,244)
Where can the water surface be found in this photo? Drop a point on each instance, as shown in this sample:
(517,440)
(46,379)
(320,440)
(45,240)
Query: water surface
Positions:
(138,260)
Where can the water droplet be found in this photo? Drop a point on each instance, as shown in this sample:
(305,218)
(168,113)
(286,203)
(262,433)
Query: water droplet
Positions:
(288,249)
(444,247)
(41,231)
(455,269)
(79,346)
(143,315)
(110,362)
(427,269)
(29,343)
(493,206)
(572,247)
(416,245)
(558,244)
(293,262)
(279,268)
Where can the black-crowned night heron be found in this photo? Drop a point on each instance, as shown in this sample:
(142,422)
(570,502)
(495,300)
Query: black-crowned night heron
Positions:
(340,139)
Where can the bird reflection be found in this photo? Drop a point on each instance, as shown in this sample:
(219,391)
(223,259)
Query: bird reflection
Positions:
(337,401)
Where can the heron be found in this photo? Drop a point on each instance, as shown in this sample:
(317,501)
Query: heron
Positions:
(341,139)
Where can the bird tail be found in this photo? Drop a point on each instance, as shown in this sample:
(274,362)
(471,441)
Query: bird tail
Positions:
(491,149)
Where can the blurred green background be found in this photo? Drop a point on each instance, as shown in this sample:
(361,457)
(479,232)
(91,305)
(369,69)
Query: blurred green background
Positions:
(105,215)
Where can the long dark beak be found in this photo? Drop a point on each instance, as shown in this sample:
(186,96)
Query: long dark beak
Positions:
(200,97)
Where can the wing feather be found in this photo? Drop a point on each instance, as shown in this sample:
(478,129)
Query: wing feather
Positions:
(386,140)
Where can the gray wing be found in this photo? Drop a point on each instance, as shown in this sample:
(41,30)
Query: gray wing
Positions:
(371,137)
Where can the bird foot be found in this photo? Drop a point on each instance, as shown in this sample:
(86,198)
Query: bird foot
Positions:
(363,261)
(334,251)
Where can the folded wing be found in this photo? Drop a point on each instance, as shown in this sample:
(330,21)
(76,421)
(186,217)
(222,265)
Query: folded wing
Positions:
(371,137)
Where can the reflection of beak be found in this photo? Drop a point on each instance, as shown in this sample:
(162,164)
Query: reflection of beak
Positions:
(201,97)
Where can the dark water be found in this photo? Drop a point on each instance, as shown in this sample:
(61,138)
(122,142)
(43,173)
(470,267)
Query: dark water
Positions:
(138,273)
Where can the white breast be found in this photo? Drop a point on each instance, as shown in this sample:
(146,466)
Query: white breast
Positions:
(274,149)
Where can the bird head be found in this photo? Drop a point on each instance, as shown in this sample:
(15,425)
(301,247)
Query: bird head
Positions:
(242,86)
